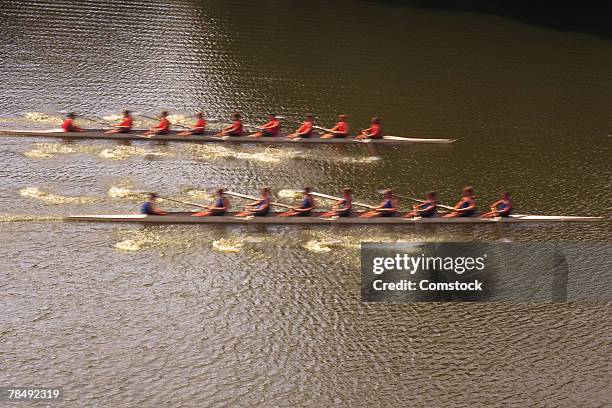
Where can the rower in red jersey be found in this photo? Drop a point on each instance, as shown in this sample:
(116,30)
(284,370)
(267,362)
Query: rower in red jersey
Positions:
(308,204)
(466,206)
(68,125)
(375,130)
(162,128)
(124,126)
(387,208)
(500,208)
(220,206)
(342,208)
(271,128)
(198,128)
(305,129)
(340,130)
(235,129)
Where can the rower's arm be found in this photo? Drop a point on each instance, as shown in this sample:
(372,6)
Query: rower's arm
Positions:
(495,204)
(468,208)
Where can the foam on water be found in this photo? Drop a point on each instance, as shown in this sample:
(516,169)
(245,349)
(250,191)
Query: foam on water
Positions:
(49,150)
(125,152)
(26,218)
(228,244)
(50,198)
(269,154)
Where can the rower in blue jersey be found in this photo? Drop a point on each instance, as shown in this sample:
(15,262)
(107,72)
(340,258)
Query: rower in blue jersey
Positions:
(387,208)
(308,204)
(342,207)
(425,209)
(148,207)
(258,208)
(500,208)
(220,206)
(466,206)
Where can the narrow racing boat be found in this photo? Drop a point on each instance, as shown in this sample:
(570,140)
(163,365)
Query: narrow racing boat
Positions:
(211,136)
(314,219)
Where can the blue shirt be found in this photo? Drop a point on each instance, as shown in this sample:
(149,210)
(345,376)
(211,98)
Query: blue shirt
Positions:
(147,208)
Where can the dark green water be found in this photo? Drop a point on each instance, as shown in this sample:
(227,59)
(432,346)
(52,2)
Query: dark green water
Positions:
(141,316)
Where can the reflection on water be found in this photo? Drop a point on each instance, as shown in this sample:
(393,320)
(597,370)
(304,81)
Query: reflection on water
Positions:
(130,315)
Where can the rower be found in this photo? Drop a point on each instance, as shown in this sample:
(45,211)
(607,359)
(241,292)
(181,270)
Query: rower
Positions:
(162,128)
(340,130)
(466,206)
(375,130)
(220,206)
(69,126)
(387,208)
(198,128)
(308,204)
(425,209)
(258,208)
(500,208)
(305,129)
(342,208)
(271,128)
(124,126)
(148,207)
(235,129)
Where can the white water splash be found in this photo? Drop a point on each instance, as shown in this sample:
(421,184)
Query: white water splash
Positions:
(50,198)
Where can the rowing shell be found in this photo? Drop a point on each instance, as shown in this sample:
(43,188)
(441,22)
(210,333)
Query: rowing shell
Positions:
(210,136)
(186,218)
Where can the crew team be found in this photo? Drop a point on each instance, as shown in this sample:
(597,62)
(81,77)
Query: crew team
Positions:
(427,207)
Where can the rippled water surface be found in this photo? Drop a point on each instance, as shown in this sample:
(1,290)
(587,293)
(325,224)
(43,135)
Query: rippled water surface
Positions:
(130,315)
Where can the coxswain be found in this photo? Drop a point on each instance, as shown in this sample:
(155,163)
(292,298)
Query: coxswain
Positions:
(162,128)
(500,208)
(341,208)
(340,130)
(124,126)
(466,206)
(308,204)
(148,207)
(305,129)
(198,128)
(425,209)
(260,207)
(271,128)
(387,208)
(375,130)
(235,129)
(68,125)
(220,206)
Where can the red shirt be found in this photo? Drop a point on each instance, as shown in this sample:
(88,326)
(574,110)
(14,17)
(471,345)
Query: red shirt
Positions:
(199,126)
(272,127)
(376,130)
(341,127)
(126,123)
(163,126)
(306,128)
(69,126)
(237,125)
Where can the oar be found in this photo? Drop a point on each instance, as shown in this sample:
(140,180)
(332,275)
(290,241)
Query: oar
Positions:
(184,202)
(349,138)
(248,197)
(322,128)
(152,118)
(448,207)
(96,120)
(371,207)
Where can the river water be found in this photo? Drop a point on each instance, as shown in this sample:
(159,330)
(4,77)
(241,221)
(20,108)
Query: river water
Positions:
(129,315)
